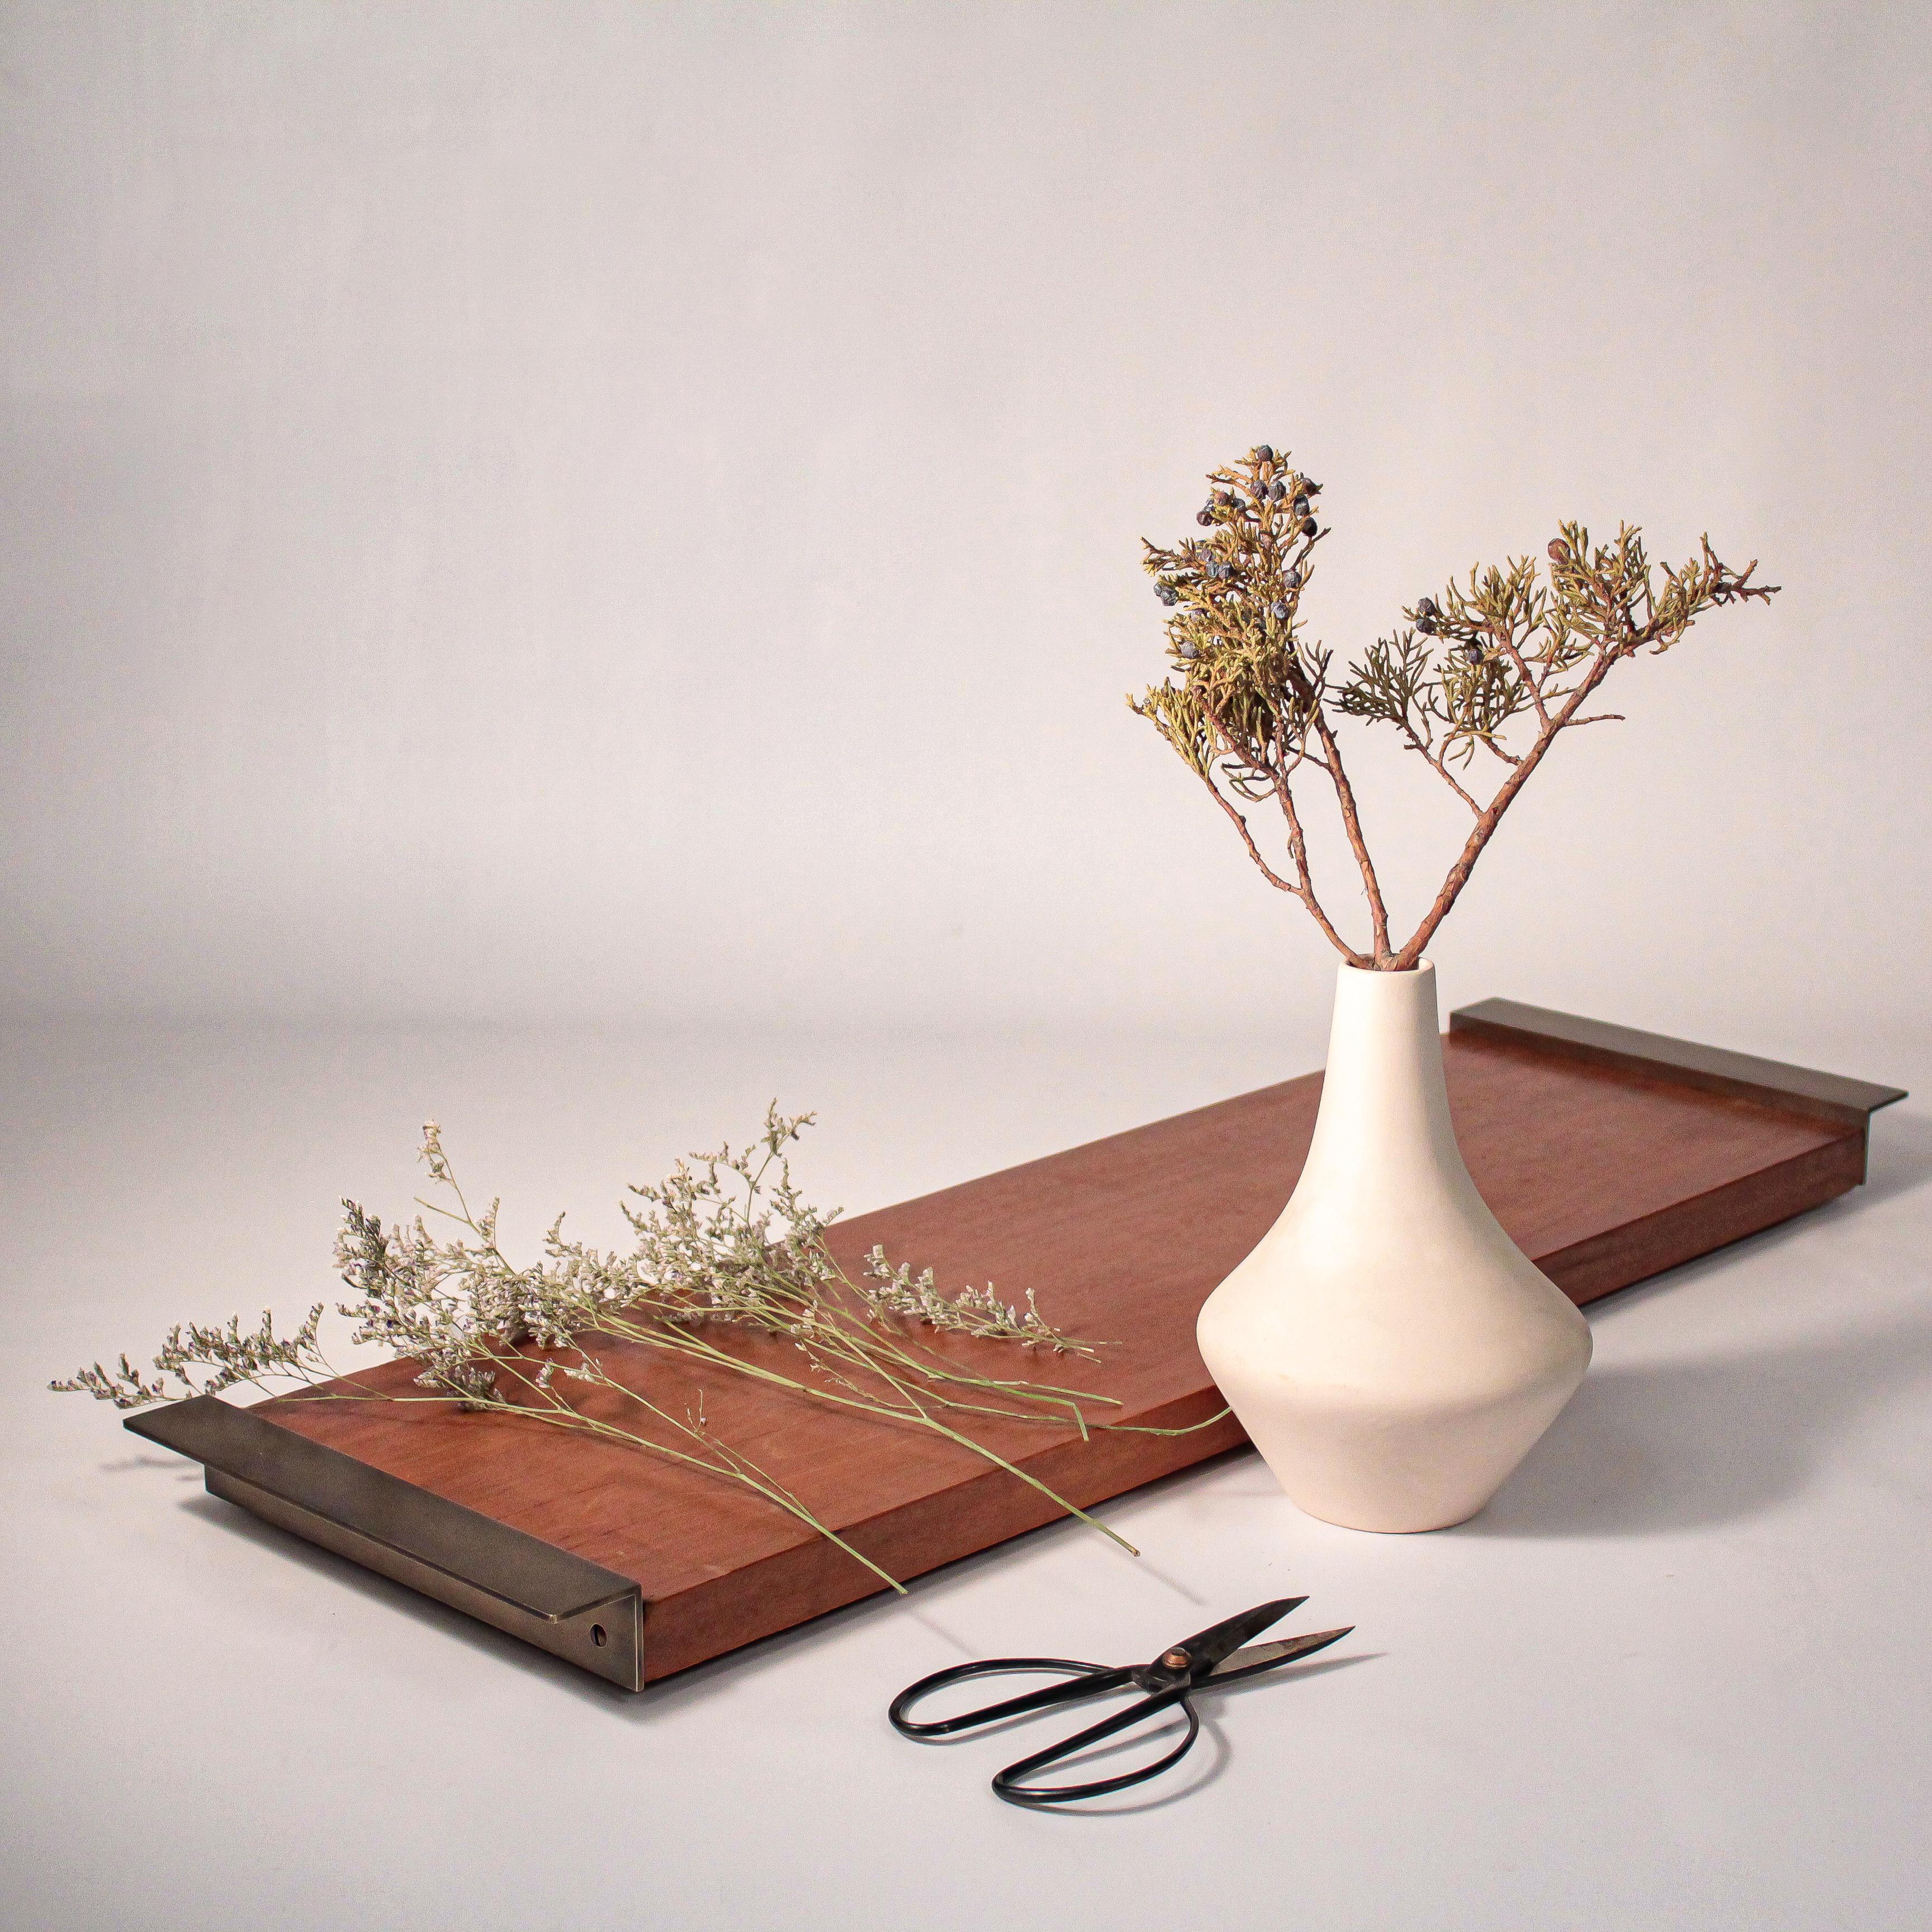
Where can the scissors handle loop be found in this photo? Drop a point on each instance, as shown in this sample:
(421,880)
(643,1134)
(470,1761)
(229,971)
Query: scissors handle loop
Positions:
(1083,1681)
(1008,1785)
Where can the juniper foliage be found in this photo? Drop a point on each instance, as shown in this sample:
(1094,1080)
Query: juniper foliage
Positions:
(1496,666)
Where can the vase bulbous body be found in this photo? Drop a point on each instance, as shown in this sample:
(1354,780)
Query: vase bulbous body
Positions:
(1390,1351)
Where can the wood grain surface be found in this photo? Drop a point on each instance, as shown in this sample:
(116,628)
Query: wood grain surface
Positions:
(1602,1175)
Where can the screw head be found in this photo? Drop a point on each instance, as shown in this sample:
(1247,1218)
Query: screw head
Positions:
(1174,1660)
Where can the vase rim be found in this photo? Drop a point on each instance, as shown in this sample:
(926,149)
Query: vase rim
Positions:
(1387,972)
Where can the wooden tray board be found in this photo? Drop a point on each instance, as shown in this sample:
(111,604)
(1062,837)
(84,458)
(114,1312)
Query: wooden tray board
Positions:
(1608,1155)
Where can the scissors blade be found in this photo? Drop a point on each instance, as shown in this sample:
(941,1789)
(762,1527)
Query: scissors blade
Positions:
(1205,1649)
(1282,1650)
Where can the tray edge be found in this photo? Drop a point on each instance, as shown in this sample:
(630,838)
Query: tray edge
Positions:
(561,1602)
(1714,1069)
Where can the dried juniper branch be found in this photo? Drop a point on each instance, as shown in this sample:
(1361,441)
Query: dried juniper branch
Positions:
(726,1240)
(1253,704)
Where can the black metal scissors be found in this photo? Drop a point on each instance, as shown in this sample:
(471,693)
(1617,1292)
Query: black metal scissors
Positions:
(1200,1663)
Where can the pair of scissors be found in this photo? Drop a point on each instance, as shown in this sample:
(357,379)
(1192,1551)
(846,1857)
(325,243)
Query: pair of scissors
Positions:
(1213,1657)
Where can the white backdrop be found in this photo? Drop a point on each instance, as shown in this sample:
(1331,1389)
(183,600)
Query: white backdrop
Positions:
(631,514)
(573,567)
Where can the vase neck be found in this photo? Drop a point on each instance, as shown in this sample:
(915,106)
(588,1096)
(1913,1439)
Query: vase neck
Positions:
(1383,1092)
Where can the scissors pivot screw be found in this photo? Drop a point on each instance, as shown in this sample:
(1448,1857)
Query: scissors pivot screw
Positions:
(1174,1660)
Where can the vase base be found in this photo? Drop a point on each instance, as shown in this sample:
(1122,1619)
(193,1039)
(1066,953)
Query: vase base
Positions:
(1409,1477)
(1391,1528)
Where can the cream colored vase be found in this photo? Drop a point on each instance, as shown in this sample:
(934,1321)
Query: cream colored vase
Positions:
(1391,1351)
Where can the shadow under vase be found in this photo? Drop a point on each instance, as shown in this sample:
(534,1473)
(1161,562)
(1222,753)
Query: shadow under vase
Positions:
(1653,1448)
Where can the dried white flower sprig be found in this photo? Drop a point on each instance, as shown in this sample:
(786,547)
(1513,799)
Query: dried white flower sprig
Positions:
(974,1311)
(724,1240)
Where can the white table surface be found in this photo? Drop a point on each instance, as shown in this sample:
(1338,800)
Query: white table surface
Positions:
(1677,1675)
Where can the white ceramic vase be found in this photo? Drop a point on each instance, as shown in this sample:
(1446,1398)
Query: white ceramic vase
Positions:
(1391,1352)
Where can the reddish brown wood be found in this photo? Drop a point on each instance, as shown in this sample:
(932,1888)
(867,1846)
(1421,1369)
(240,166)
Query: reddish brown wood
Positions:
(1602,1174)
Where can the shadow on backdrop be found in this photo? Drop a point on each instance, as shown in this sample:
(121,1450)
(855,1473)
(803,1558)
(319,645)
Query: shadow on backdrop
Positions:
(1644,1450)
(1651,1448)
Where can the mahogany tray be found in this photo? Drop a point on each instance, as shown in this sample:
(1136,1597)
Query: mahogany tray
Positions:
(1608,1154)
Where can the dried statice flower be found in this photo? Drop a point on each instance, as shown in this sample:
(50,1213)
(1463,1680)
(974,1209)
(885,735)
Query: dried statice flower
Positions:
(725,1241)
(204,1361)
(887,1290)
